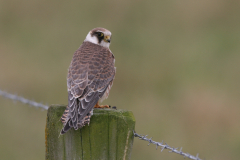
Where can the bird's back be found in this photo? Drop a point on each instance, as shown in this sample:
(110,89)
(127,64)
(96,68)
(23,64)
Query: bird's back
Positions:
(90,75)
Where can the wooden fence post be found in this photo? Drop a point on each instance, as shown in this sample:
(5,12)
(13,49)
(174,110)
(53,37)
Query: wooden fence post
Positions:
(108,137)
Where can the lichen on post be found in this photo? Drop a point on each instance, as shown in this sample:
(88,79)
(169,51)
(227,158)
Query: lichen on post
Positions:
(109,136)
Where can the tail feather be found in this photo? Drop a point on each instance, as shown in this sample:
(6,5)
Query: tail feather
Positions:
(66,128)
(76,116)
(69,124)
(64,117)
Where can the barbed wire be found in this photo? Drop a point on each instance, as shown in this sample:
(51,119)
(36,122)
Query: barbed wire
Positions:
(166,146)
(23,100)
(142,137)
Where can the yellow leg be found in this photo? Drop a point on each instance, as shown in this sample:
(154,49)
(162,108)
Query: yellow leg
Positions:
(102,106)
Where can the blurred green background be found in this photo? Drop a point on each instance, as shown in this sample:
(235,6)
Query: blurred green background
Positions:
(178,70)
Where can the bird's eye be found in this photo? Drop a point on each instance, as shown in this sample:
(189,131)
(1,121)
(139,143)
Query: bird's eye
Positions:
(100,34)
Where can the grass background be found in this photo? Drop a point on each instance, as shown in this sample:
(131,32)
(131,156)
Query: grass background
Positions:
(178,70)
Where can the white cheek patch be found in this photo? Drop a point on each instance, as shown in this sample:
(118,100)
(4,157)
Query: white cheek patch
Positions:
(92,39)
(104,44)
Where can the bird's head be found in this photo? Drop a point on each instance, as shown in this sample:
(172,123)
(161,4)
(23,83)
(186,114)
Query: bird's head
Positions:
(100,36)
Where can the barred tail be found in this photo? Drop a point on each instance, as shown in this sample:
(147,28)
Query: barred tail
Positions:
(68,124)
(65,120)
(64,116)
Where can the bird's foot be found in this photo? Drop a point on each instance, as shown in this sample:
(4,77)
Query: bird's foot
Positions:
(101,106)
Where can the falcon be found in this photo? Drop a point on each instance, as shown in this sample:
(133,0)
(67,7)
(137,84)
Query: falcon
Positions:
(90,78)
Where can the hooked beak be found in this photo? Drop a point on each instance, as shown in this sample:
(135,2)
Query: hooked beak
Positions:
(107,39)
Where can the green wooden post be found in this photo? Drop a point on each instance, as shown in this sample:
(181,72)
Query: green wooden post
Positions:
(108,137)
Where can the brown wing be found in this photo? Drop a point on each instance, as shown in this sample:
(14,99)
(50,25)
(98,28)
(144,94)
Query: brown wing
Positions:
(90,73)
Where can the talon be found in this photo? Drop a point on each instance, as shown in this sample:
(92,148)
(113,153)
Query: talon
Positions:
(102,106)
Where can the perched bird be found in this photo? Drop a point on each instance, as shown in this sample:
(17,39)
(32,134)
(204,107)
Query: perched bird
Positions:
(90,78)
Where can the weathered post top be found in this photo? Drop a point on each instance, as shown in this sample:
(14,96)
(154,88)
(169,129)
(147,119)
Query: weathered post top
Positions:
(109,136)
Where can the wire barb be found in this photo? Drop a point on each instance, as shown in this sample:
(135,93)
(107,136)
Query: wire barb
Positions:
(23,100)
(166,146)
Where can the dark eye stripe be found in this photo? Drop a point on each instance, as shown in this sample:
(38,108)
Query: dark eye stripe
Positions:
(99,36)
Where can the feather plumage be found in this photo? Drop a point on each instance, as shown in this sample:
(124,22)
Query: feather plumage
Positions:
(90,77)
